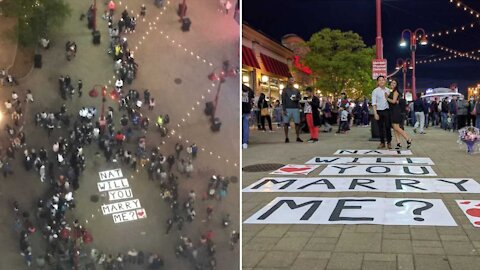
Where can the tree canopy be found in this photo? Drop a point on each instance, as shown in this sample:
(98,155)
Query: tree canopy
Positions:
(341,62)
(36,18)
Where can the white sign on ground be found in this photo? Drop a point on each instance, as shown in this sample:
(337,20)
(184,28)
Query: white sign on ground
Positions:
(129,215)
(371,160)
(374,152)
(365,184)
(384,211)
(110,174)
(292,169)
(370,170)
(120,206)
(471,208)
(112,185)
(120,194)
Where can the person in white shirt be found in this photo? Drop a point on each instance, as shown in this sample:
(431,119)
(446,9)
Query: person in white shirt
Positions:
(381,112)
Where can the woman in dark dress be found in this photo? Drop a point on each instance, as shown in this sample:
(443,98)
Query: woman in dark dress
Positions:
(396,115)
(264,113)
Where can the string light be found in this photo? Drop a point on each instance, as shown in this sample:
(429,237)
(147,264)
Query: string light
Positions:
(467,9)
(452,30)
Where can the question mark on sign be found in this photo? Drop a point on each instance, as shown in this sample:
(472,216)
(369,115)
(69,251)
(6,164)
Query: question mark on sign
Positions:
(417,211)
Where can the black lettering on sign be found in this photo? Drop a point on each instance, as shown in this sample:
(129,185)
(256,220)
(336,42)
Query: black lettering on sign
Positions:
(293,205)
(319,160)
(424,171)
(101,186)
(342,170)
(458,185)
(335,216)
(361,182)
(379,160)
(373,151)
(348,151)
(320,182)
(399,183)
(370,169)
(355,160)
(273,181)
(409,160)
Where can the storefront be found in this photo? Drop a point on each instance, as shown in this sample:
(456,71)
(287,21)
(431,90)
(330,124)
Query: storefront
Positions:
(266,64)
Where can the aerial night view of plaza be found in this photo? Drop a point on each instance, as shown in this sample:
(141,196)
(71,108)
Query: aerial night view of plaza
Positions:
(121,127)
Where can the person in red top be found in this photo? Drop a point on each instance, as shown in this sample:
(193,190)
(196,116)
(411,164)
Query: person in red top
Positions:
(111,7)
(119,137)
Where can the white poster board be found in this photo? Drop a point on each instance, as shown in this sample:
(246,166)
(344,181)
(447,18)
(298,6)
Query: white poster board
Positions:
(112,185)
(371,160)
(293,169)
(129,215)
(121,194)
(350,210)
(370,152)
(110,174)
(365,184)
(471,209)
(371,170)
(120,206)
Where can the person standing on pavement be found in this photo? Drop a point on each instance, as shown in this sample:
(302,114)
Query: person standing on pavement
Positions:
(327,115)
(80,86)
(471,117)
(247,101)
(264,112)
(476,113)
(291,110)
(419,108)
(381,112)
(462,113)
(444,113)
(453,112)
(312,114)
(396,115)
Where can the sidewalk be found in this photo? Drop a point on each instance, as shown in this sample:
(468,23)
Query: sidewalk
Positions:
(358,246)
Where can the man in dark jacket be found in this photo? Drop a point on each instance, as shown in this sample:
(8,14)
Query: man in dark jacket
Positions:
(419,109)
(444,113)
(453,112)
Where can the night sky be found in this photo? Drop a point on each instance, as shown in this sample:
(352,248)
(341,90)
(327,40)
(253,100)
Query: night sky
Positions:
(276,18)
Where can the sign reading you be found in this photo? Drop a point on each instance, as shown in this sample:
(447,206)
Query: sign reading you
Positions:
(117,187)
(363,184)
(370,170)
(384,211)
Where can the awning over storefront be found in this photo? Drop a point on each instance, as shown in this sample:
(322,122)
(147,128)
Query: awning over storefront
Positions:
(248,58)
(274,66)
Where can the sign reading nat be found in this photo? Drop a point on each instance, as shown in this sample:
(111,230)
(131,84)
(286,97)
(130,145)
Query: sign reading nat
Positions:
(110,174)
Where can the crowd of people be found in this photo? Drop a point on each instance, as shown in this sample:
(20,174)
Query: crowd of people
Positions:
(122,140)
(310,113)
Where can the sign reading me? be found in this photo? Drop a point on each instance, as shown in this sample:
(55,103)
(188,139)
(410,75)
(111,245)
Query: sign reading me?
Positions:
(384,211)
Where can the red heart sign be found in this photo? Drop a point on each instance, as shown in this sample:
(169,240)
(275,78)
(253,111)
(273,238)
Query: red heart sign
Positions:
(474,212)
(290,169)
(465,202)
(140,213)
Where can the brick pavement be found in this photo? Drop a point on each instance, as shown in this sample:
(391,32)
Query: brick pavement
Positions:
(365,247)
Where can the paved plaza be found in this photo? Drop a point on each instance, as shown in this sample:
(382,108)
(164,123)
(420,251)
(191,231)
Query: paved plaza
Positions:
(174,66)
(361,246)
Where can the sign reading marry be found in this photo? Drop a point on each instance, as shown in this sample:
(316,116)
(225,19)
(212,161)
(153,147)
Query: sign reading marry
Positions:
(371,160)
(384,211)
(374,152)
(363,184)
(120,206)
(370,170)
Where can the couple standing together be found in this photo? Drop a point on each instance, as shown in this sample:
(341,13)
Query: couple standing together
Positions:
(388,114)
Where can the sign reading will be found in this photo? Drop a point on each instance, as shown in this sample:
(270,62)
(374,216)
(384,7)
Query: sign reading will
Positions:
(358,210)
(112,185)
(365,184)
(371,160)
(370,170)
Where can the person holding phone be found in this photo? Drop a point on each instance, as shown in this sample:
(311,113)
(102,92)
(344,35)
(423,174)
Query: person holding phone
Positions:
(381,112)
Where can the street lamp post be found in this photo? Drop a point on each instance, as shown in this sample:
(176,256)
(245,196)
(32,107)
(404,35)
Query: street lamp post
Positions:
(413,48)
(404,64)
(379,40)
